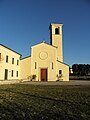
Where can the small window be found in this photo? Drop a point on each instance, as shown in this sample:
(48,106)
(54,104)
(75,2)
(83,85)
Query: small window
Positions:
(60,71)
(57,31)
(17,62)
(52,65)
(6,58)
(35,65)
(16,73)
(12,60)
(12,73)
(0,56)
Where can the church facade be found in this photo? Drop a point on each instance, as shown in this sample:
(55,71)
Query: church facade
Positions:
(45,62)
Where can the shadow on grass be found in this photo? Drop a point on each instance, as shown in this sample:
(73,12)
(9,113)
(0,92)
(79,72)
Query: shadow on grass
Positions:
(69,102)
(42,107)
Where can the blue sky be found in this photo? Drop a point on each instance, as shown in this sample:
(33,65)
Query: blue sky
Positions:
(24,23)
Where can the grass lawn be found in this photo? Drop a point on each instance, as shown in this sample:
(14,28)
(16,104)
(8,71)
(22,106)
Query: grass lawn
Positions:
(35,102)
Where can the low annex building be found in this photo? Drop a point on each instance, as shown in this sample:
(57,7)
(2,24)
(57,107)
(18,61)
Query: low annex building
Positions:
(44,64)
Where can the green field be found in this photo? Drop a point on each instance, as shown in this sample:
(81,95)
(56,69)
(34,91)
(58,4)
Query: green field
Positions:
(35,102)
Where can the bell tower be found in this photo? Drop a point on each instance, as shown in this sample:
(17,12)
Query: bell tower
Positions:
(56,39)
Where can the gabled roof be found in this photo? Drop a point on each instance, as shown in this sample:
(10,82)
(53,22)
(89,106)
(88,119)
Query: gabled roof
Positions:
(25,57)
(10,49)
(62,62)
(44,43)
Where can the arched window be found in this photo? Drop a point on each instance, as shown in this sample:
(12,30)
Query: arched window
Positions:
(60,72)
(56,30)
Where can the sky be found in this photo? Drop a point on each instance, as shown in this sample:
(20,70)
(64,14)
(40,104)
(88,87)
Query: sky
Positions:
(24,23)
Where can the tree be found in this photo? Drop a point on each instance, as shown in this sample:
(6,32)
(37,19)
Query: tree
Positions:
(81,69)
(75,69)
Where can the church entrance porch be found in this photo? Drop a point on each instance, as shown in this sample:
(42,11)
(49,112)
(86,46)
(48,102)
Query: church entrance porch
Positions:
(43,74)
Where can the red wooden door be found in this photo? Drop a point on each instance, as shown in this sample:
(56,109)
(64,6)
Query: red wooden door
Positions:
(43,74)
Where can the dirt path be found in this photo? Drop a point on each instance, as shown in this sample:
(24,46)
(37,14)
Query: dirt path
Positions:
(71,82)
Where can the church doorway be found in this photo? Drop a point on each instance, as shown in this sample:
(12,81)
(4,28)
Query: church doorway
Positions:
(43,74)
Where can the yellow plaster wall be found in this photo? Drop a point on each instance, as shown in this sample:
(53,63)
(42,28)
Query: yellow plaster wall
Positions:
(57,40)
(25,68)
(65,71)
(3,65)
(47,63)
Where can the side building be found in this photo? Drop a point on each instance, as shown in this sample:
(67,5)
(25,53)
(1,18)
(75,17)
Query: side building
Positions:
(9,63)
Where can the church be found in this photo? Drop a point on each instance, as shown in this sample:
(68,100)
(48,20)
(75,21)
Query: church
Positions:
(46,60)
(44,64)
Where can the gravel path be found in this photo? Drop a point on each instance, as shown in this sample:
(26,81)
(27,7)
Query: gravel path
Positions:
(71,82)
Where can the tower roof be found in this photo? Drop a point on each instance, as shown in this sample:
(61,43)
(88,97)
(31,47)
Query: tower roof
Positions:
(54,24)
